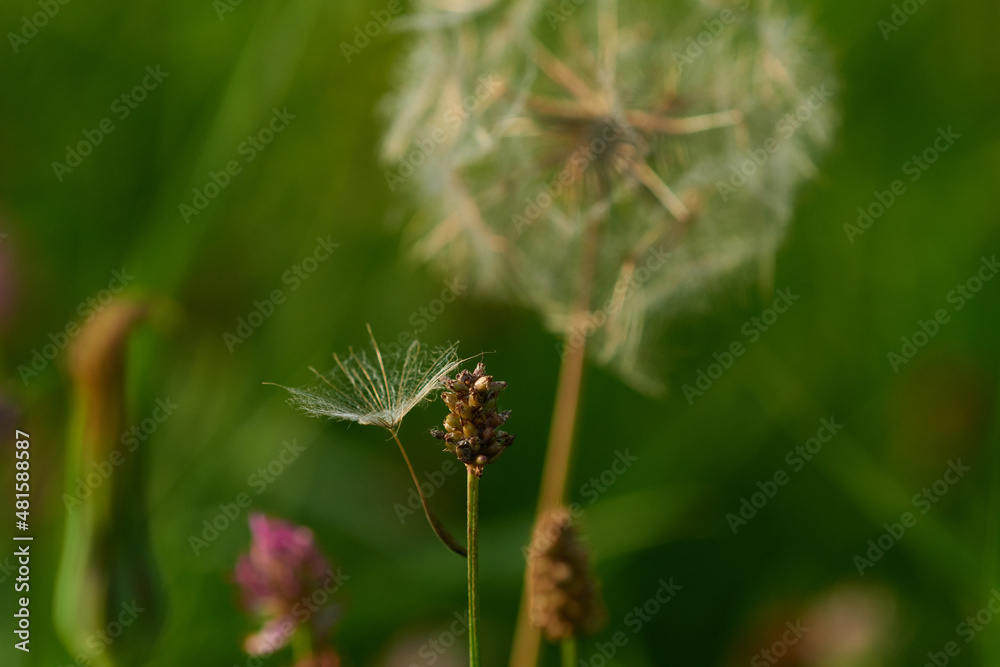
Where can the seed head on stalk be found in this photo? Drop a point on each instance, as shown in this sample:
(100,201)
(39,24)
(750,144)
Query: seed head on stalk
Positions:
(472,433)
(472,427)
(564,596)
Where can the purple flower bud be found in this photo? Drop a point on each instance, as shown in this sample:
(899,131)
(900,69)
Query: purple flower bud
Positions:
(282,569)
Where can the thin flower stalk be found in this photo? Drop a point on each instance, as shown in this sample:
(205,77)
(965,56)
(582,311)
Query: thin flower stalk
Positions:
(569,652)
(472,504)
(472,433)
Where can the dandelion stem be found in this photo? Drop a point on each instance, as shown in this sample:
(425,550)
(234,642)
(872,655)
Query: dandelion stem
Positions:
(569,652)
(473,539)
(563,428)
(561,433)
(436,525)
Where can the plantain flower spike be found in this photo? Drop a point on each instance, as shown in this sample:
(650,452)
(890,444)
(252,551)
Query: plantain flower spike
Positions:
(564,597)
(472,427)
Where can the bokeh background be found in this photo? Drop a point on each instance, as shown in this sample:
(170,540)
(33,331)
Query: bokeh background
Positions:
(665,516)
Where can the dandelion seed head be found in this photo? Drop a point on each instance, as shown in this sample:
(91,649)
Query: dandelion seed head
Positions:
(631,114)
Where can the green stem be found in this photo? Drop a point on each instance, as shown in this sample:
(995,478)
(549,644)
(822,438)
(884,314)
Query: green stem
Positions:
(473,530)
(436,525)
(991,542)
(302,644)
(569,652)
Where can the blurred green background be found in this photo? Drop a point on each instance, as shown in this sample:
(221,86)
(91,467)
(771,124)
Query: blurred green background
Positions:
(665,516)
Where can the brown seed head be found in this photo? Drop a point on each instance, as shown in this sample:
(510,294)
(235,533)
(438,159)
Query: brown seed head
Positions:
(565,598)
(471,427)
